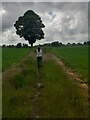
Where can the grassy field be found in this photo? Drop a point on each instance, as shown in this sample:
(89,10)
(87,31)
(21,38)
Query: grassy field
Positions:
(75,57)
(0,81)
(60,96)
(12,55)
(0,59)
(17,90)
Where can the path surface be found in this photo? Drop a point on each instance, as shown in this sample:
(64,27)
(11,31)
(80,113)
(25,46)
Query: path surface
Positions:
(38,86)
(67,70)
(36,96)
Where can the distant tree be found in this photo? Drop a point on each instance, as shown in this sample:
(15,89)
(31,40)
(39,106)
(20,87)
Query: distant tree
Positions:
(79,43)
(73,44)
(4,46)
(13,46)
(88,42)
(60,44)
(55,43)
(29,26)
(68,43)
(19,45)
(25,45)
(85,43)
(10,46)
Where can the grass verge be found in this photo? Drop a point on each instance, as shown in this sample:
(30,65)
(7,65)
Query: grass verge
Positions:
(75,57)
(61,98)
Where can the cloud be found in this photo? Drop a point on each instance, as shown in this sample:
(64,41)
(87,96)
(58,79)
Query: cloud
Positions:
(65,21)
(45,0)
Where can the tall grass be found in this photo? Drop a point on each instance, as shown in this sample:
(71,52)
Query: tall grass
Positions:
(17,91)
(0,81)
(61,97)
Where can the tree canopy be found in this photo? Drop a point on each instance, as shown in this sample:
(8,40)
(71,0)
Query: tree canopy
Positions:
(29,26)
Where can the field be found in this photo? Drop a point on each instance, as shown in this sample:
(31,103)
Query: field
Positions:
(0,82)
(48,92)
(0,60)
(75,57)
(12,56)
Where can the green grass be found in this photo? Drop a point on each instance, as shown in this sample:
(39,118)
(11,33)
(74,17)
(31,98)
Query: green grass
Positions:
(61,97)
(0,59)
(13,55)
(75,57)
(0,81)
(17,91)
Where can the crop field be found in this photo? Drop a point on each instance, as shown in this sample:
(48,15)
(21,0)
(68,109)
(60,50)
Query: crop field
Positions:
(0,59)
(0,94)
(75,57)
(47,92)
(11,56)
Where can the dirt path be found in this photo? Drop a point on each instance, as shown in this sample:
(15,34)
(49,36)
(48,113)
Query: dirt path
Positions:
(38,86)
(68,71)
(37,95)
(18,68)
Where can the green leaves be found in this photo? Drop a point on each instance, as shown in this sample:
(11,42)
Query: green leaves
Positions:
(29,26)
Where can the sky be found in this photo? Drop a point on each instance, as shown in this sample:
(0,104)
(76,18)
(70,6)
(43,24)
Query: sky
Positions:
(64,21)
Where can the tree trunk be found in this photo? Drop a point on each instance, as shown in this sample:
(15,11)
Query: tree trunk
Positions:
(32,45)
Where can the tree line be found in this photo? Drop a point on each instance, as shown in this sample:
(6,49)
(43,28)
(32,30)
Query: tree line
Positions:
(56,44)
(19,45)
(30,27)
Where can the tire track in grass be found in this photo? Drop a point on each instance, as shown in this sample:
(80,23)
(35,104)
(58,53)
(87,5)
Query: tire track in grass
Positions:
(71,74)
(36,92)
(62,86)
(11,77)
(85,86)
(35,97)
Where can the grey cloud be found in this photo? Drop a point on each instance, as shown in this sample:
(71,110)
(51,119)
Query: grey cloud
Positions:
(14,10)
(9,37)
(45,0)
(63,21)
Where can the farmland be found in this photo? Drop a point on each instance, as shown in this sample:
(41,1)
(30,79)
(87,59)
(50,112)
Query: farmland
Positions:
(11,56)
(75,57)
(58,97)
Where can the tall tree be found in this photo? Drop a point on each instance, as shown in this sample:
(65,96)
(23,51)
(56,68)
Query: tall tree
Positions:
(29,26)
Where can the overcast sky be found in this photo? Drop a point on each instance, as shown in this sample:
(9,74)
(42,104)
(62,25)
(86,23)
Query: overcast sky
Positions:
(64,21)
